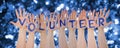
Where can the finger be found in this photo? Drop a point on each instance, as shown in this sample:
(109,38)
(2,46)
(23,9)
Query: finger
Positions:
(104,10)
(41,17)
(93,13)
(70,17)
(96,17)
(16,13)
(58,16)
(30,17)
(79,16)
(33,18)
(83,14)
(90,16)
(106,24)
(20,11)
(101,13)
(107,14)
(51,16)
(24,13)
(62,13)
(74,14)
(47,19)
(13,23)
(66,14)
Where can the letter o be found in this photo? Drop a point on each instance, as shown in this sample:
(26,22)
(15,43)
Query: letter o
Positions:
(31,29)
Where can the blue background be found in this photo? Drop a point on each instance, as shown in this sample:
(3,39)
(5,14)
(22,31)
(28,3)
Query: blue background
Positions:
(9,32)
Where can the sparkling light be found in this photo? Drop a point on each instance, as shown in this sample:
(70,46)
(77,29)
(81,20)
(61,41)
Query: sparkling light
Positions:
(116,21)
(118,5)
(106,29)
(9,36)
(60,7)
(47,2)
(35,1)
(110,41)
(115,33)
(67,8)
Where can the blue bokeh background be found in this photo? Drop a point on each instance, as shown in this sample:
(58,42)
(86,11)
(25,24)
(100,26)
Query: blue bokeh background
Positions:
(9,32)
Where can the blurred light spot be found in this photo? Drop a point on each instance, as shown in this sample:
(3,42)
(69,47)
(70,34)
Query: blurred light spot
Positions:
(60,7)
(106,29)
(119,39)
(66,29)
(67,8)
(95,33)
(54,32)
(83,4)
(116,46)
(9,37)
(78,11)
(47,2)
(35,46)
(110,42)
(118,5)
(116,21)
(55,39)
(115,33)
(41,9)
(110,28)
(71,1)
(35,1)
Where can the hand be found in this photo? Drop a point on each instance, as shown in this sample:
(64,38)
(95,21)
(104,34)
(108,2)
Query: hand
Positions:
(72,18)
(51,22)
(82,16)
(63,17)
(31,23)
(104,16)
(41,23)
(22,18)
(92,17)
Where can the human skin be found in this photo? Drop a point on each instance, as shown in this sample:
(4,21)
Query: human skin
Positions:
(91,37)
(81,42)
(50,36)
(61,33)
(43,37)
(101,36)
(31,35)
(22,28)
(72,37)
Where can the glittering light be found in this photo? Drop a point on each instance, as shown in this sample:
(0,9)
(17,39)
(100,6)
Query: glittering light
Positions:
(35,1)
(41,9)
(116,21)
(9,37)
(55,39)
(66,29)
(115,33)
(110,41)
(71,1)
(60,7)
(106,29)
(83,4)
(78,11)
(119,39)
(67,8)
(54,32)
(118,5)
(47,2)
